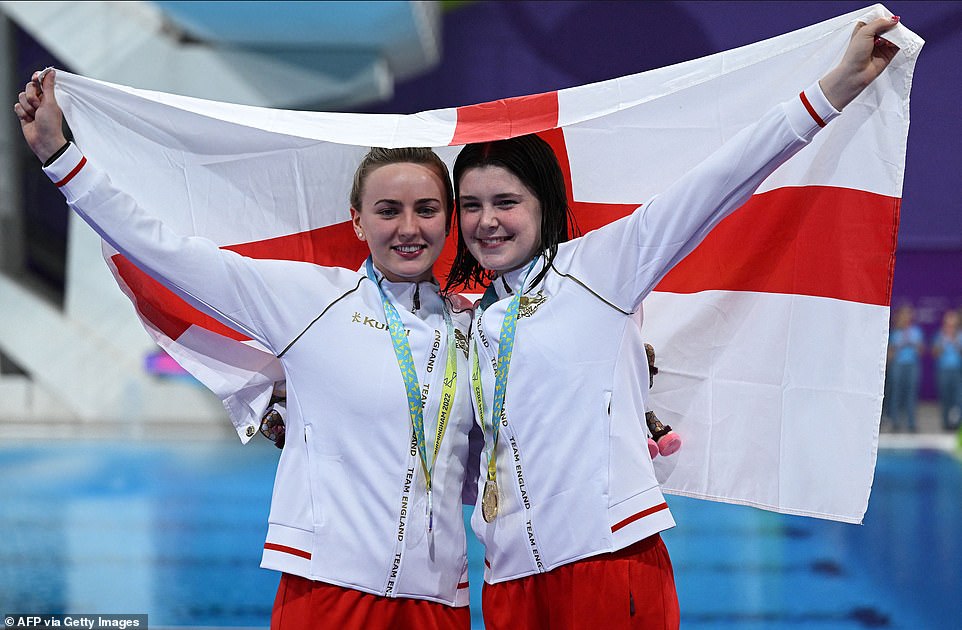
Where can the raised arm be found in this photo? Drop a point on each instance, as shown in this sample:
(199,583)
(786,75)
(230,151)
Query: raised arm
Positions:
(661,233)
(240,292)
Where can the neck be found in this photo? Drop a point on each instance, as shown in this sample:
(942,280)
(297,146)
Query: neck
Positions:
(427,276)
(521,266)
(511,279)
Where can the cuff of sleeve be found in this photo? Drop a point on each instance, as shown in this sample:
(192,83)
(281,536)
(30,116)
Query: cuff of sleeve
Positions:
(70,172)
(57,153)
(810,111)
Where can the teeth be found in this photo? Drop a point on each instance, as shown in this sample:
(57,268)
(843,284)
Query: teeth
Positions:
(408,249)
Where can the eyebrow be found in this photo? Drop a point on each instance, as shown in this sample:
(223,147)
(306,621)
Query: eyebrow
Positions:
(497,196)
(398,201)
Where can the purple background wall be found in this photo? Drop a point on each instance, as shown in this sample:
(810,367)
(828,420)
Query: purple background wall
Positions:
(499,49)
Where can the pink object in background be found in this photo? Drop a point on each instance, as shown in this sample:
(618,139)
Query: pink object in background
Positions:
(159,363)
(668,444)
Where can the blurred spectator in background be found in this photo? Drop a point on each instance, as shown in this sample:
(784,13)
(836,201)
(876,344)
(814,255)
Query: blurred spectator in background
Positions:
(906,345)
(947,350)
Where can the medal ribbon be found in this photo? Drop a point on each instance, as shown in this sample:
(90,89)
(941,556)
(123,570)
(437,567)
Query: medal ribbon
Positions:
(405,360)
(505,348)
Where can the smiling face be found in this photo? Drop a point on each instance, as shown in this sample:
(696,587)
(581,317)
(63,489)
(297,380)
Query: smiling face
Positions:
(500,218)
(402,219)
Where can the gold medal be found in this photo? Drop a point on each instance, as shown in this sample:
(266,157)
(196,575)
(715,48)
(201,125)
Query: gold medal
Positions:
(489,501)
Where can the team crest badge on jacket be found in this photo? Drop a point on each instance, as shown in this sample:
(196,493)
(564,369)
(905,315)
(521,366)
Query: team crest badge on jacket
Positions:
(530,304)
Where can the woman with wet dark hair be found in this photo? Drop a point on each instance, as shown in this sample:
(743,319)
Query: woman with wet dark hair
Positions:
(569,509)
(535,164)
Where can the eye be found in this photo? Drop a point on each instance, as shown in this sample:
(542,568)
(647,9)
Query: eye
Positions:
(427,211)
(386,211)
(506,204)
(470,206)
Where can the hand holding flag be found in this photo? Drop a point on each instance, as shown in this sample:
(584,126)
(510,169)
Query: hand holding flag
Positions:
(867,55)
(40,117)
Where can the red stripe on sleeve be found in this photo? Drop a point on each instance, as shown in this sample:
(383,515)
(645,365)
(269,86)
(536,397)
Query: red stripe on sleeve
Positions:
(506,118)
(811,110)
(285,549)
(634,517)
(73,173)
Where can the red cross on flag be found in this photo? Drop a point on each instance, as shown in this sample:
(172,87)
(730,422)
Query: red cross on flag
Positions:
(771,333)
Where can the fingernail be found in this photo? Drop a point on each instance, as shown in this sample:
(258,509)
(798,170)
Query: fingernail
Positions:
(895,18)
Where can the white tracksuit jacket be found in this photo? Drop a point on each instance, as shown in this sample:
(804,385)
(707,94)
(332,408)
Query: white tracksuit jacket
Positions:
(349,498)
(574,473)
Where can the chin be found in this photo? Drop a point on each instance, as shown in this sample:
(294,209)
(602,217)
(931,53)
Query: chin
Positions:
(500,265)
(400,273)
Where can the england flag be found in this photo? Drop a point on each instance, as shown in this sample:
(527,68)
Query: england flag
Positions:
(771,333)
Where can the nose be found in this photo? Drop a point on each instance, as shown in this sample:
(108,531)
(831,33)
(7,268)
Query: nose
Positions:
(408,224)
(488,218)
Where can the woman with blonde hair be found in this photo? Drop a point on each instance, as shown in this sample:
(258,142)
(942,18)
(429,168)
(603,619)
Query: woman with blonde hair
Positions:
(366,522)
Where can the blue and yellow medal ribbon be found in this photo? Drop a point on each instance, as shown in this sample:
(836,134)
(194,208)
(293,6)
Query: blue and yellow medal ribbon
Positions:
(405,360)
(505,348)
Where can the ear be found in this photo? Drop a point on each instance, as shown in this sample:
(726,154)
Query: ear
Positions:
(356,220)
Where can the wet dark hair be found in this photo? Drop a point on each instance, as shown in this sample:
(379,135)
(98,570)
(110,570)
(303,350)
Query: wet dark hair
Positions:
(532,161)
(378,157)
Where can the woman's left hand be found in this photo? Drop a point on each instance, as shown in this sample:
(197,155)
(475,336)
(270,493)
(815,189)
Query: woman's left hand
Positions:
(867,55)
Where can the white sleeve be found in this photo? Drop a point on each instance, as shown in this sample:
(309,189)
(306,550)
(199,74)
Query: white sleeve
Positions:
(238,291)
(659,234)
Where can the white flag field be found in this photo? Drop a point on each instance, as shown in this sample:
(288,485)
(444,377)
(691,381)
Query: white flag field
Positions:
(771,335)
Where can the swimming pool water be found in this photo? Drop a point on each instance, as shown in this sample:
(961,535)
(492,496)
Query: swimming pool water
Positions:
(176,531)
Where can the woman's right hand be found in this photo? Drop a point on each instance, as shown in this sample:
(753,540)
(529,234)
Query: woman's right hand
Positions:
(41,119)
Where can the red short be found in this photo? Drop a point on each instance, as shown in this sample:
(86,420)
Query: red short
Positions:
(303,604)
(630,588)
